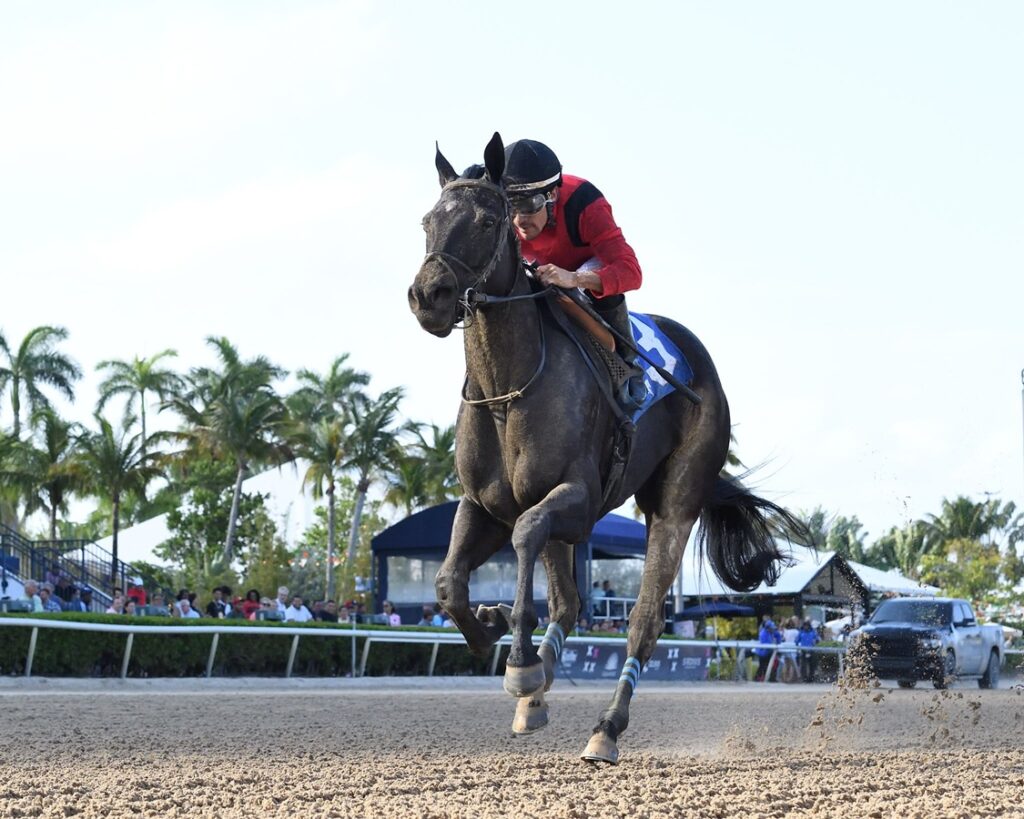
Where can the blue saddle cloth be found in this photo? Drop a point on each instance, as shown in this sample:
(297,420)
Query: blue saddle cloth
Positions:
(661,349)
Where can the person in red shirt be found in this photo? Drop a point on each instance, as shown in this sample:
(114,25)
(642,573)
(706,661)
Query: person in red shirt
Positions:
(137,592)
(566,226)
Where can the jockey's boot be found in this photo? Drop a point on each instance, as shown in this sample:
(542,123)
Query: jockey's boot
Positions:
(634,390)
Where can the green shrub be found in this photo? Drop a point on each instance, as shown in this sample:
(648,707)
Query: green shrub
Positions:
(62,653)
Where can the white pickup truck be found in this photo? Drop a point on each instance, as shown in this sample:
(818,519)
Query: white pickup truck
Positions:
(935,639)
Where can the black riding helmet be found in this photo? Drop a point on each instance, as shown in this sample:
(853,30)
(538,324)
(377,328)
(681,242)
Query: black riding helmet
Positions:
(531,172)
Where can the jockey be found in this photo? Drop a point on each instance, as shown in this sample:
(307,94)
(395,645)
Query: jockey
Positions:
(566,226)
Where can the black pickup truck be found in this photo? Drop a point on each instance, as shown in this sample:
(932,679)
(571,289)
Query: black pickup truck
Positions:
(935,639)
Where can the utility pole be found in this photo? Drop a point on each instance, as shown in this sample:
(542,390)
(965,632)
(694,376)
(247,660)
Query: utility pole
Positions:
(1022,400)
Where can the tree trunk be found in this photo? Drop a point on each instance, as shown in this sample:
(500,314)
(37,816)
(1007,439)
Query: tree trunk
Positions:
(16,406)
(53,520)
(330,541)
(142,418)
(113,546)
(229,541)
(353,538)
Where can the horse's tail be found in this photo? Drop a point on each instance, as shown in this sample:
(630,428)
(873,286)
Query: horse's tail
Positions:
(738,533)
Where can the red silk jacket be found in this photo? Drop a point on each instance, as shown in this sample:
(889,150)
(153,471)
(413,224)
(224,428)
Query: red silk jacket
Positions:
(583,229)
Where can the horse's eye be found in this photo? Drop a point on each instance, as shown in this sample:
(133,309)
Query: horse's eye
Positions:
(489,221)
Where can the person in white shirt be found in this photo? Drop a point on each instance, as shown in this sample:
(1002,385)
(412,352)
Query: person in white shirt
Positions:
(297,612)
(282,599)
(186,609)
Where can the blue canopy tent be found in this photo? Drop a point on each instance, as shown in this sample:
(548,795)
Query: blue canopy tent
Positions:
(405,557)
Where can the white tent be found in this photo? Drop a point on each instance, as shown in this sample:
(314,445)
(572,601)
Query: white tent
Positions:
(287,503)
(808,566)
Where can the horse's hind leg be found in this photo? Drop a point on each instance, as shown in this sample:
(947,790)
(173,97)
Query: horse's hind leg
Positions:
(563,608)
(475,537)
(674,504)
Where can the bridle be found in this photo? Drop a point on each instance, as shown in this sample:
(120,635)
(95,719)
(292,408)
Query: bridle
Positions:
(472,298)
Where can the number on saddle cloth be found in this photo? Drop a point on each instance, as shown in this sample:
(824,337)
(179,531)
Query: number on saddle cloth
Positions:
(662,350)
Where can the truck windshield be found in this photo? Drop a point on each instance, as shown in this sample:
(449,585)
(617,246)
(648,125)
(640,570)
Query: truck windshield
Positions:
(914,611)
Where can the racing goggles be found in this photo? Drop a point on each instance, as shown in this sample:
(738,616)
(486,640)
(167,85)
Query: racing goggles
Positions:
(530,204)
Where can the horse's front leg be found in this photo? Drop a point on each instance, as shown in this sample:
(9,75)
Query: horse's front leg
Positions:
(560,516)
(563,608)
(475,537)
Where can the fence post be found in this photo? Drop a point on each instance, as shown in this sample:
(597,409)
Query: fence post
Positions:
(31,651)
(127,654)
(839,654)
(365,657)
(494,659)
(291,656)
(213,652)
(433,660)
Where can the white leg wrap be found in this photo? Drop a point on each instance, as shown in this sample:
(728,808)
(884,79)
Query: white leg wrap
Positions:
(554,639)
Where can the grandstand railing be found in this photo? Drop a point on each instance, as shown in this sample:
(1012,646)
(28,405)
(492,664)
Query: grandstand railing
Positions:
(83,562)
(436,639)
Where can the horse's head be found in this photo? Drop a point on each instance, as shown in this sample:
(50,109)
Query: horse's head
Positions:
(467,231)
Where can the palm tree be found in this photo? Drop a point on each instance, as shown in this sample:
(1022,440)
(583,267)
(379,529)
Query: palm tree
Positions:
(408,483)
(371,441)
(322,444)
(437,453)
(904,548)
(233,412)
(327,395)
(52,471)
(134,379)
(37,362)
(116,466)
(962,518)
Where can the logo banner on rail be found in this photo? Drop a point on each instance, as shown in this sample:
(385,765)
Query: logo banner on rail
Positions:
(604,662)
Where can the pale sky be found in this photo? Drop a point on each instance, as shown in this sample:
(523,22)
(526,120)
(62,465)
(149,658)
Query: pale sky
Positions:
(829,195)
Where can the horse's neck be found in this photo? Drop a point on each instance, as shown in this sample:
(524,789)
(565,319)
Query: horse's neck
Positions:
(503,345)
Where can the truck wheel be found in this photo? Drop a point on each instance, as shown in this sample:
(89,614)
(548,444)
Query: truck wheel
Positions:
(948,674)
(990,679)
(906,683)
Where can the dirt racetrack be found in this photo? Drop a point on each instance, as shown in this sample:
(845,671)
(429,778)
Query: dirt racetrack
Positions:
(407,748)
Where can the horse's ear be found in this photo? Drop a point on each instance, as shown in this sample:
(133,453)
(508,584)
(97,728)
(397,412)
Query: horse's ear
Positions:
(445,171)
(494,158)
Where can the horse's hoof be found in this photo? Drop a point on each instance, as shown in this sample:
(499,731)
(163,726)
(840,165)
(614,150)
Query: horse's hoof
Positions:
(601,748)
(531,715)
(524,681)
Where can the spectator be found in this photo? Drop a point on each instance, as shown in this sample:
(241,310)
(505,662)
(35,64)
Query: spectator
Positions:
(596,602)
(64,590)
(582,626)
(607,588)
(329,613)
(389,611)
(129,607)
(282,599)
(53,574)
(437,619)
(807,638)
(49,601)
(116,604)
(186,611)
(157,605)
(81,600)
(446,621)
(251,604)
(31,594)
(428,617)
(789,671)
(268,605)
(181,595)
(360,611)
(218,608)
(297,612)
(768,635)
(136,592)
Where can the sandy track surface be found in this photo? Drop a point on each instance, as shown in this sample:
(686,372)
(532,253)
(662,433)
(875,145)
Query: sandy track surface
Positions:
(409,749)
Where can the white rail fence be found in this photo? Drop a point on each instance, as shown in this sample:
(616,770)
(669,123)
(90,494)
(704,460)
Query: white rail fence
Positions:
(434,639)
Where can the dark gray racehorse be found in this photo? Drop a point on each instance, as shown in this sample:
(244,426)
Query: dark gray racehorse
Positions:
(534,438)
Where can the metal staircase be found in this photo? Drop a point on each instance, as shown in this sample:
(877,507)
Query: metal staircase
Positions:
(81,561)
